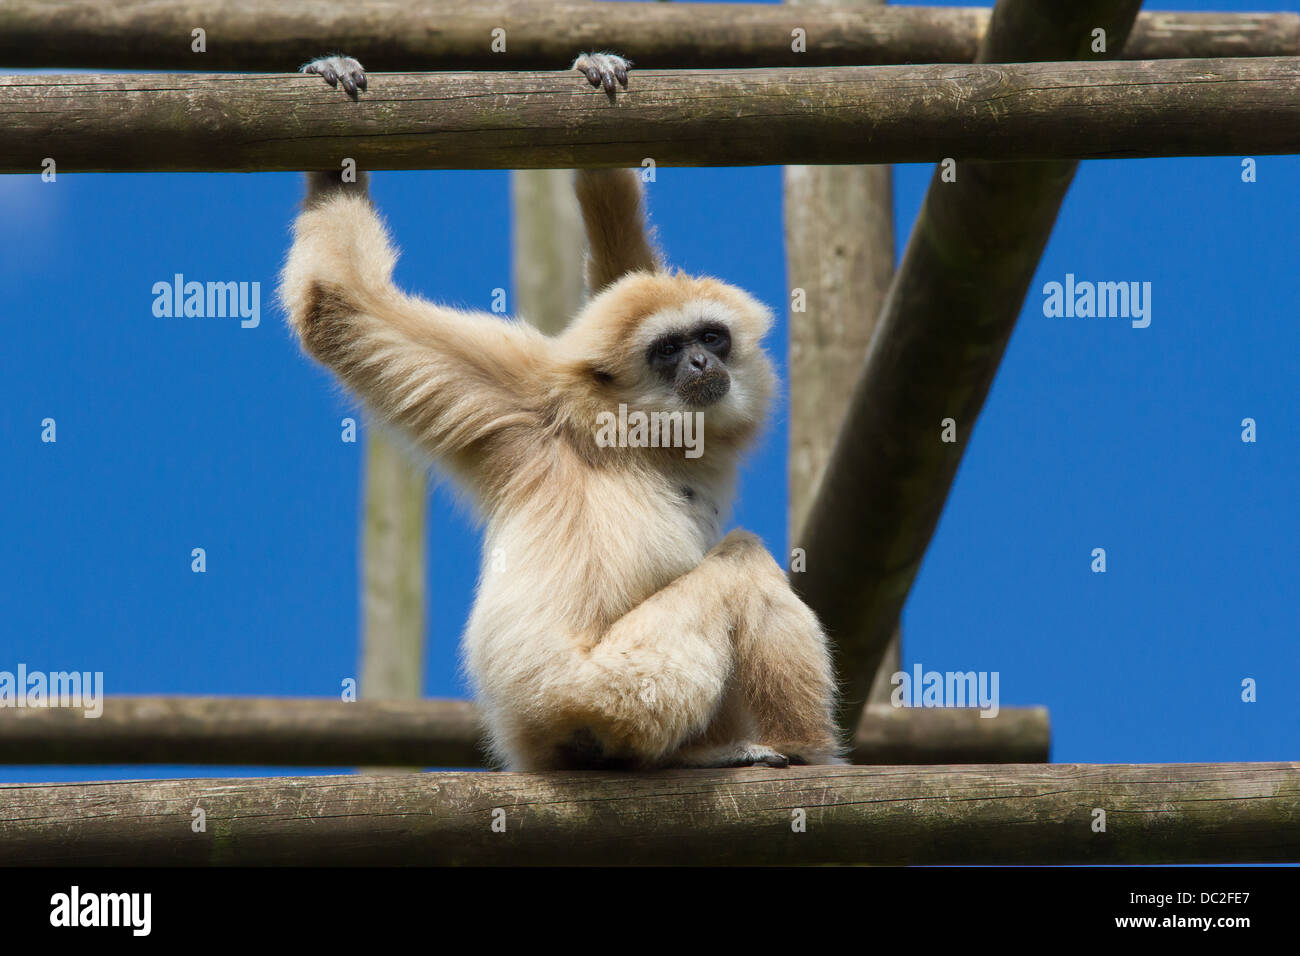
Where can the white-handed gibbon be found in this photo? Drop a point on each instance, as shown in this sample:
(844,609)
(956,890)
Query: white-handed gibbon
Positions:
(612,628)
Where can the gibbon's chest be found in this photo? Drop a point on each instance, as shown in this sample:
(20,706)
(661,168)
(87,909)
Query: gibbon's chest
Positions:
(681,511)
(591,549)
(647,533)
(702,504)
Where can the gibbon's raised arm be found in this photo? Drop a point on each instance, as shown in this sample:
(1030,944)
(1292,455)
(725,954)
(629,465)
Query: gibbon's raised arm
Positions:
(617,239)
(456,381)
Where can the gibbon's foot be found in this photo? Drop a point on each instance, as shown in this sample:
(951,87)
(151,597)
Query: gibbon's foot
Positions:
(770,760)
(336,69)
(602,69)
(739,755)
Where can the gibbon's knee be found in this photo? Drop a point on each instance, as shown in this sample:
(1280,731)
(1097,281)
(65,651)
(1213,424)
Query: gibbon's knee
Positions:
(643,695)
(664,673)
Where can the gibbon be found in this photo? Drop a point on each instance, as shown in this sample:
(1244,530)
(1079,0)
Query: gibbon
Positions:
(612,629)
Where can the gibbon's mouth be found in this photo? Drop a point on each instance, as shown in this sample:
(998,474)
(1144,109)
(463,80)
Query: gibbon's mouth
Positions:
(706,388)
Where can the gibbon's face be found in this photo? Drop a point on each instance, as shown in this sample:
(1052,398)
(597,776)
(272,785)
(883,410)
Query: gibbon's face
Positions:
(660,342)
(690,357)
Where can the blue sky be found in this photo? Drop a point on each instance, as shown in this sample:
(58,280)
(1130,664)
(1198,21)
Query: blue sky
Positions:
(175,433)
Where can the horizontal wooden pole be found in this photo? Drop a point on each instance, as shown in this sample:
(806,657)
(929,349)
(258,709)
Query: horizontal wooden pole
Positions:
(882,114)
(951,735)
(1011,814)
(248,731)
(457,34)
(323,732)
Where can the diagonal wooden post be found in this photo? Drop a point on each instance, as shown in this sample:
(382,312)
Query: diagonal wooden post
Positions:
(950,310)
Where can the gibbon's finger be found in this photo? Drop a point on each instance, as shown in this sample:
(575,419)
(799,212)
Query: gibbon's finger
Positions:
(336,69)
(604,70)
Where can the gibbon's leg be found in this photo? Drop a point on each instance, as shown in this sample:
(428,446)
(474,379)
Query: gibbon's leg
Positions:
(653,681)
(783,687)
(722,667)
(783,666)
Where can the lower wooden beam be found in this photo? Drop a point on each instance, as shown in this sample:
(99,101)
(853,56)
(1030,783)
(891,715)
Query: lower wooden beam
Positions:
(1027,814)
(324,732)
(951,735)
(159,122)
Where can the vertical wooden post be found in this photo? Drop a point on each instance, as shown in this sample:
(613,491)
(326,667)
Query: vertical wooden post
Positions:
(393,570)
(547,246)
(839,234)
(394,510)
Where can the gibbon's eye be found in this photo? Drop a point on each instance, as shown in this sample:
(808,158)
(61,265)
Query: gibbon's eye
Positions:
(664,355)
(716,340)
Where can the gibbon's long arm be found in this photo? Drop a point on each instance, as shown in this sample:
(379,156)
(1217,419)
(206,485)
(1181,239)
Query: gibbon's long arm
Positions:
(617,239)
(455,381)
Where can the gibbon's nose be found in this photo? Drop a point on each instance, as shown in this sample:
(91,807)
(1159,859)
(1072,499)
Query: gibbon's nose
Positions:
(699,361)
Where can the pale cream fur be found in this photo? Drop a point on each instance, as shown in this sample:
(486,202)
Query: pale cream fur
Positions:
(611,626)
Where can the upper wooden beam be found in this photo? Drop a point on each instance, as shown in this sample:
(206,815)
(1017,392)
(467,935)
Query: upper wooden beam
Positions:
(399,35)
(323,732)
(1032,814)
(242,123)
